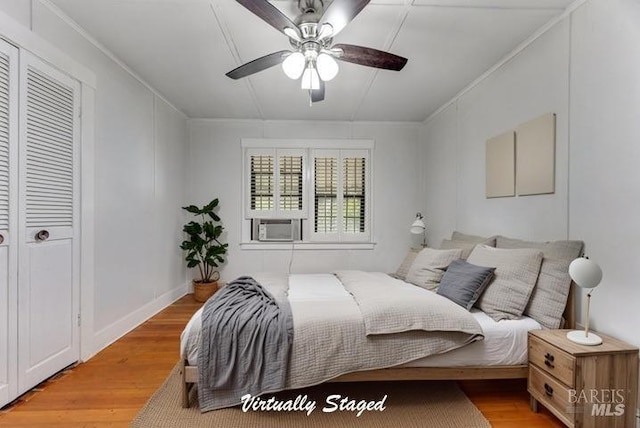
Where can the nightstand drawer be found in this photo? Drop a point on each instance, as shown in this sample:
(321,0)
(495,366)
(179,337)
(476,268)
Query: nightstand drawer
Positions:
(552,360)
(551,393)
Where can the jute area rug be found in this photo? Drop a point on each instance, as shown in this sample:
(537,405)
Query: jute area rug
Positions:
(419,404)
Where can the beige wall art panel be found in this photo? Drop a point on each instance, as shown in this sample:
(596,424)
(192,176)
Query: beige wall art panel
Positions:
(500,166)
(535,156)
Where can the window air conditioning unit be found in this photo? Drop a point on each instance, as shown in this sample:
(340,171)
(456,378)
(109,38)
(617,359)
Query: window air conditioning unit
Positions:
(276,230)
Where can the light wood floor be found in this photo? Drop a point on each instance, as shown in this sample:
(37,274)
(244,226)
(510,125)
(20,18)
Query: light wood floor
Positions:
(110,388)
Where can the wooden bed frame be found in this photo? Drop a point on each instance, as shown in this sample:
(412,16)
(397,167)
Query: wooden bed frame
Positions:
(190,373)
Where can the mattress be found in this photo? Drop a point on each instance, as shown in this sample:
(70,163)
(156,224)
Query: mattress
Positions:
(505,342)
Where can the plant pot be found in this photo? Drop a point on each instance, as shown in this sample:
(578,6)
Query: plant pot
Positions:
(203,290)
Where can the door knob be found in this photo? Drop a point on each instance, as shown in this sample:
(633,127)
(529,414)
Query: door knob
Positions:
(1,238)
(42,235)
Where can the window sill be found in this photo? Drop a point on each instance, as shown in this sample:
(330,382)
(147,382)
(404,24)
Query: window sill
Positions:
(254,245)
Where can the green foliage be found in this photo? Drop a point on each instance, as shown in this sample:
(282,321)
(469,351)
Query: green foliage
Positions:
(203,249)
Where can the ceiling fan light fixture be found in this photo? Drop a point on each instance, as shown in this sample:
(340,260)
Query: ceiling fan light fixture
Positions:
(312,56)
(326,31)
(310,79)
(293,65)
(327,67)
(292,34)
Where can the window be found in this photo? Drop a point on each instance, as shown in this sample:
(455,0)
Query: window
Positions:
(336,187)
(340,195)
(266,199)
(354,187)
(262,173)
(325,179)
(290,183)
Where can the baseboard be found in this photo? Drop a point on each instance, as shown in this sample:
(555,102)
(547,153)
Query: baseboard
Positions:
(115,331)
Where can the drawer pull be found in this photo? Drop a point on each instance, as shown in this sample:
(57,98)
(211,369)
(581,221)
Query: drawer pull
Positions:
(548,390)
(1,238)
(548,360)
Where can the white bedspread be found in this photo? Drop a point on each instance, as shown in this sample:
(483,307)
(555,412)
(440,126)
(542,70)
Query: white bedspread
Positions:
(505,342)
(352,334)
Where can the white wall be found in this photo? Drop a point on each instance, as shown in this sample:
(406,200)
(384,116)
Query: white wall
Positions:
(140,177)
(216,171)
(170,175)
(605,156)
(586,69)
(439,174)
(522,89)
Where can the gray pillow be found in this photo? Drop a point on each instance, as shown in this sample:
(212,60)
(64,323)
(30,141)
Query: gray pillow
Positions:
(515,276)
(550,294)
(464,282)
(429,266)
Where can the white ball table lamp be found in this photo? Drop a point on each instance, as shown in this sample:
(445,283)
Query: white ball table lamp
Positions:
(586,274)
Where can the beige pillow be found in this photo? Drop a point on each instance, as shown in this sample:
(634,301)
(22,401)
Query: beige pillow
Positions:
(429,266)
(549,297)
(516,274)
(450,244)
(473,239)
(403,269)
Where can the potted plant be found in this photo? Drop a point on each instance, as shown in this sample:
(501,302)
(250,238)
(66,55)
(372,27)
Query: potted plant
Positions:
(203,248)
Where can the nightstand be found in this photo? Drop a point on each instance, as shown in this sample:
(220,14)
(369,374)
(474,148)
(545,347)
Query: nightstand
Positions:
(583,386)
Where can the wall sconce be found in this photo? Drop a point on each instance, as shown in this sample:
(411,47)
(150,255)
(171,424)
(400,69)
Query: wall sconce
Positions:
(418,227)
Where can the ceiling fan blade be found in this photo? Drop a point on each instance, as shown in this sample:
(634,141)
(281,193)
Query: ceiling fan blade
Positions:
(258,64)
(370,57)
(341,12)
(269,13)
(317,95)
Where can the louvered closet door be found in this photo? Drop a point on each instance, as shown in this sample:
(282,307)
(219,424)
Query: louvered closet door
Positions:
(8,220)
(48,257)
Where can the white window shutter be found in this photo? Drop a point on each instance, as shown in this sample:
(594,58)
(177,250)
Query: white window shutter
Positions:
(290,182)
(325,198)
(325,180)
(49,152)
(260,186)
(355,195)
(290,175)
(275,183)
(341,195)
(262,182)
(4,141)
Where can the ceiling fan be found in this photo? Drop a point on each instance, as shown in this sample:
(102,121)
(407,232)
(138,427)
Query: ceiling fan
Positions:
(313,55)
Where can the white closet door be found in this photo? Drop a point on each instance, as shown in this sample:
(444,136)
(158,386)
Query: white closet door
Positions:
(8,220)
(48,305)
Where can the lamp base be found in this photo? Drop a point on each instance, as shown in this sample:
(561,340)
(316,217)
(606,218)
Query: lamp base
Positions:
(580,337)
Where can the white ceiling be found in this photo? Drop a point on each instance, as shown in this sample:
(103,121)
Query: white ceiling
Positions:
(183,48)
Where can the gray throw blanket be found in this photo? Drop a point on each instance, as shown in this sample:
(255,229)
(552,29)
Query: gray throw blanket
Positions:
(245,344)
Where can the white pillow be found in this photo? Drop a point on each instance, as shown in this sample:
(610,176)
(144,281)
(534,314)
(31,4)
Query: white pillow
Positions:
(515,276)
(429,266)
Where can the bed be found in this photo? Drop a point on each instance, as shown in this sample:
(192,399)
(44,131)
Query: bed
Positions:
(500,354)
